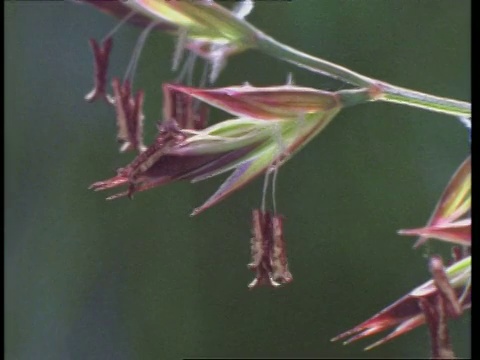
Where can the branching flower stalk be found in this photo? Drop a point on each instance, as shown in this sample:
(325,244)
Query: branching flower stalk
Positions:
(267,126)
(207,24)
(385,92)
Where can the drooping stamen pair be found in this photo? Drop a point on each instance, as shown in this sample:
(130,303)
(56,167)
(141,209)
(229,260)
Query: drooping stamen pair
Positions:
(269,258)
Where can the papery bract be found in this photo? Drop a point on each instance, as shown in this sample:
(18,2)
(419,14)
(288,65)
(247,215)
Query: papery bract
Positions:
(201,19)
(266,103)
(448,220)
(456,232)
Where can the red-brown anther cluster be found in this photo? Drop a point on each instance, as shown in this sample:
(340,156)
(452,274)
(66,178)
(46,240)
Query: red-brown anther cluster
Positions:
(158,166)
(140,174)
(101,55)
(269,259)
(129,116)
(187,112)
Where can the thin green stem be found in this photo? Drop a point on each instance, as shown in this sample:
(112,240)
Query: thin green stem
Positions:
(276,49)
(413,98)
(380,90)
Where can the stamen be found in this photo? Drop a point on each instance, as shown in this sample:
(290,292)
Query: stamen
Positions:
(278,253)
(101,54)
(290,79)
(264,191)
(119,25)
(218,60)
(268,251)
(282,151)
(445,289)
(129,116)
(273,168)
(187,70)
(274,189)
(203,79)
(190,68)
(132,66)
(180,48)
(202,83)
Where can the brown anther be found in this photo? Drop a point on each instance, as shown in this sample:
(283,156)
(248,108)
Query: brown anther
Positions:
(445,289)
(101,55)
(268,251)
(436,318)
(129,116)
(278,257)
(257,240)
(184,109)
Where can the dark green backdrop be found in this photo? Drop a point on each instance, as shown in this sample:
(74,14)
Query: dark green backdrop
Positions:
(90,279)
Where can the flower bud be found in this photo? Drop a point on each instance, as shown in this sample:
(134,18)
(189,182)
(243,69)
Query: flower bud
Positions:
(202,20)
(266,103)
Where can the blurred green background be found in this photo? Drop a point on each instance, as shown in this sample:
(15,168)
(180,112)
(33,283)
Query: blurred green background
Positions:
(91,279)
